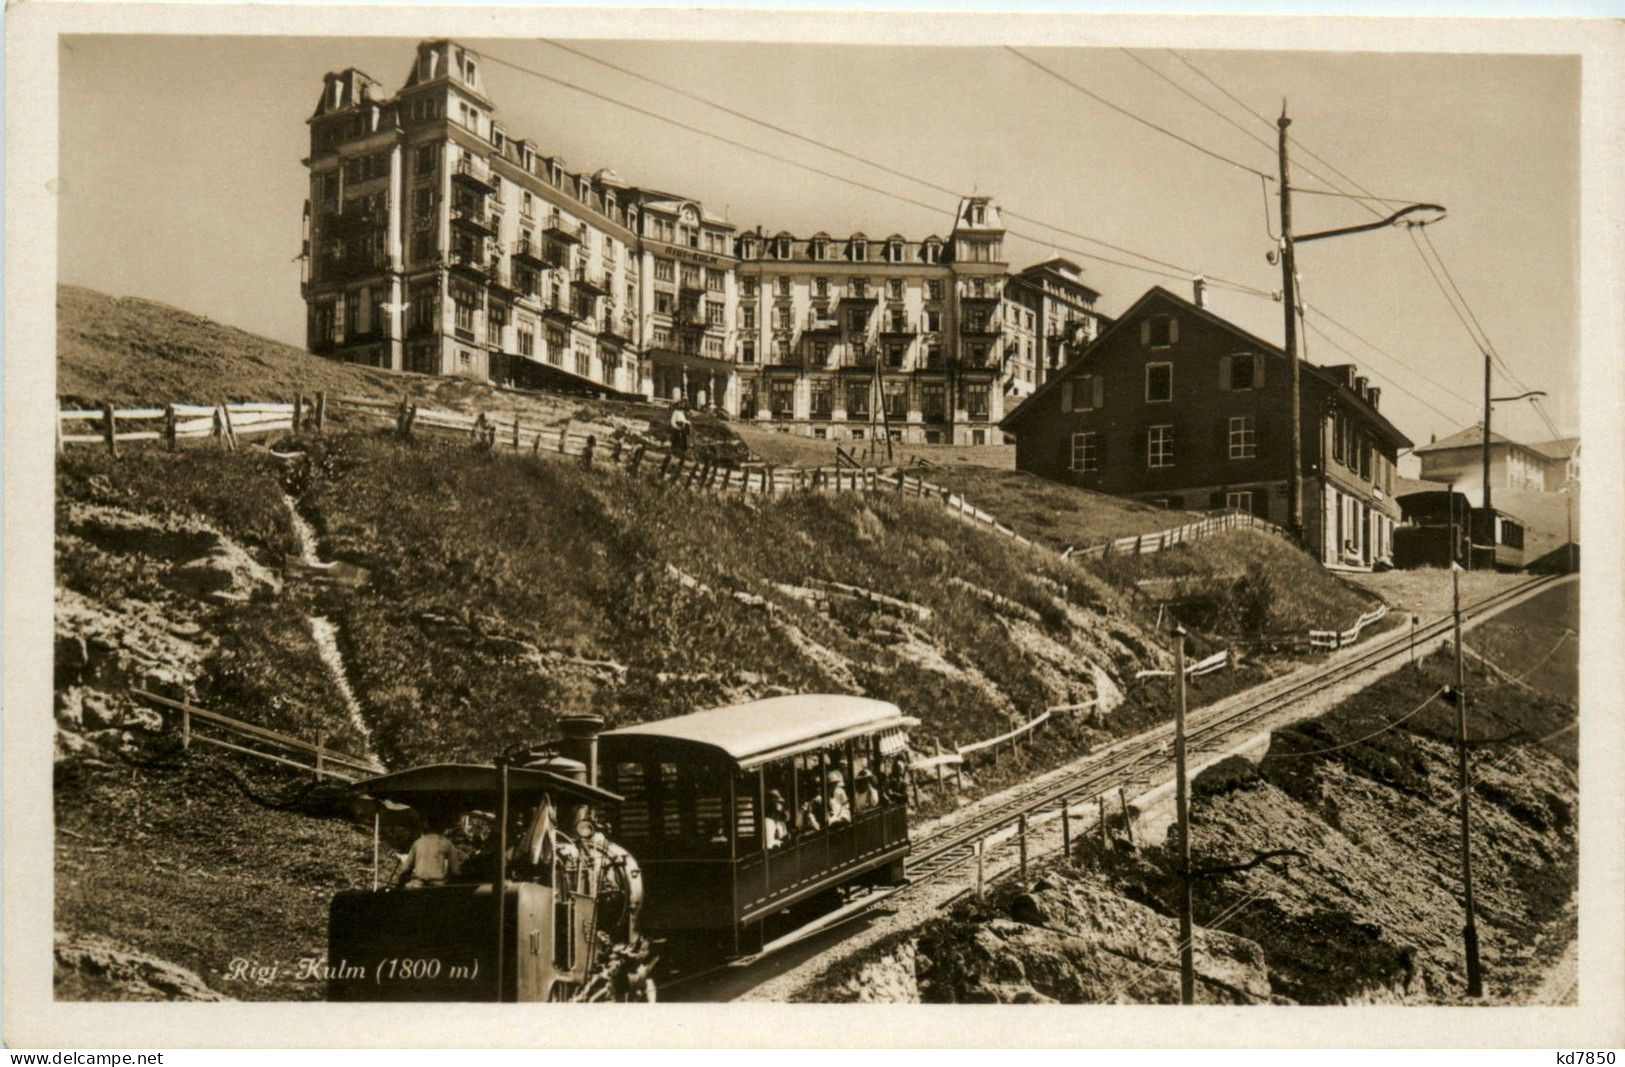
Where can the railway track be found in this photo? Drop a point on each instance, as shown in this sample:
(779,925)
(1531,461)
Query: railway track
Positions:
(1130,760)
(952,846)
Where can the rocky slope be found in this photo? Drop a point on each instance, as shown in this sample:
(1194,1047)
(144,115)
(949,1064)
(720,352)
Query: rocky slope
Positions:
(1357,902)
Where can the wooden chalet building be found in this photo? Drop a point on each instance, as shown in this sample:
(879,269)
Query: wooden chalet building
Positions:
(1173,405)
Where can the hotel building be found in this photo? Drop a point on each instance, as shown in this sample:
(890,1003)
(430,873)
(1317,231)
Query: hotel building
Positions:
(437,243)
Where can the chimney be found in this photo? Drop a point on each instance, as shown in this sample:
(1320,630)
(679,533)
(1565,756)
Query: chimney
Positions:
(578,740)
(1371,396)
(1360,384)
(1199,291)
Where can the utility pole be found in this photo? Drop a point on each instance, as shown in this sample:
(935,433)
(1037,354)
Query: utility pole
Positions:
(1486,435)
(1187,951)
(1289,299)
(1469,932)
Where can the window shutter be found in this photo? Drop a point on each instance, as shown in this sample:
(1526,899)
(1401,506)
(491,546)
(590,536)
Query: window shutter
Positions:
(1224,372)
(1261,496)
(1221,439)
(1216,500)
(1066,395)
(1145,332)
(1173,329)
(1258,370)
(1099,384)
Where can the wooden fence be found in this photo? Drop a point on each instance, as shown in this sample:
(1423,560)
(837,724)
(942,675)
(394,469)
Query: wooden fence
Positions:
(110,426)
(1215,662)
(1335,639)
(1143,544)
(201,726)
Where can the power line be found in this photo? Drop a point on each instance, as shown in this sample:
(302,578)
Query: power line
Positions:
(1097,98)
(1222,116)
(1419,399)
(1263,119)
(1441,386)
(1179,273)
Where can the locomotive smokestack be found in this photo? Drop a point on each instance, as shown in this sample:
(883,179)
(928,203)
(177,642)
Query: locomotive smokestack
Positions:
(578,740)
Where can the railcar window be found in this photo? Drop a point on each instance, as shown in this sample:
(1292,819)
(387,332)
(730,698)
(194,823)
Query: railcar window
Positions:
(810,792)
(779,780)
(746,824)
(632,814)
(710,821)
(838,784)
(671,809)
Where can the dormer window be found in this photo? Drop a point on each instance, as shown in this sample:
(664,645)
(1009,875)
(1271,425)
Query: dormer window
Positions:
(860,251)
(470,71)
(978,214)
(894,251)
(932,252)
(816,249)
(784,248)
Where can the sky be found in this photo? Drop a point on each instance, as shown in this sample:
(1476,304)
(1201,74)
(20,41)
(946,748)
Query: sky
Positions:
(181,175)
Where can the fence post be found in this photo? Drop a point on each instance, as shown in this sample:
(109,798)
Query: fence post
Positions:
(1128,823)
(979,879)
(108,429)
(219,427)
(169,426)
(298,411)
(231,431)
(186,727)
(586,455)
(321,409)
(320,737)
(1021,832)
(1066,827)
(411,420)
(564,439)
(400,417)
(516,431)
(941,774)
(959,772)
(614,452)
(1100,801)
(637,457)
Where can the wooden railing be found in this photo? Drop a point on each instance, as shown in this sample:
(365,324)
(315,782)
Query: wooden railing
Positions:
(201,726)
(1335,639)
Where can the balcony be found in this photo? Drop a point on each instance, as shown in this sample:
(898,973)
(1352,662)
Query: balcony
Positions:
(822,324)
(866,298)
(560,230)
(985,328)
(990,295)
(616,327)
(474,178)
(473,220)
(471,266)
(531,254)
(590,282)
(351,222)
(556,307)
(898,327)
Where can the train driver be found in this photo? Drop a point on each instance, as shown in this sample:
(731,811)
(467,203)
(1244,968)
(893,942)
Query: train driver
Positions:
(430,861)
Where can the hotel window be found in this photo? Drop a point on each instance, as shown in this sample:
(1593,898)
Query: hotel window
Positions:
(781,397)
(894,251)
(860,287)
(1159,447)
(713,280)
(747,287)
(933,401)
(527,341)
(1159,382)
(423,242)
(327,187)
(816,249)
(527,204)
(785,321)
(428,158)
(498,315)
(423,200)
(326,321)
(860,251)
(665,270)
(714,313)
(822,397)
(1243,438)
(895,395)
(821,352)
(1086,452)
(465,313)
(976,400)
(747,352)
(933,355)
(894,355)
(933,252)
(857,320)
(783,248)
(1337,436)
(933,321)
(422,299)
(933,289)
(857,399)
(821,288)
(747,318)
(784,285)
(894,288)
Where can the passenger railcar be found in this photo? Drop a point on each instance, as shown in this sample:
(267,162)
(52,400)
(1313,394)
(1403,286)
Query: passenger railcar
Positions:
(738,813)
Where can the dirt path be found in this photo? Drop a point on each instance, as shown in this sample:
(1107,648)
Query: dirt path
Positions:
(324,632)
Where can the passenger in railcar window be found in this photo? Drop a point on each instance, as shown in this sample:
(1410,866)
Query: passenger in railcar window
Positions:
(809,820)
(865,796)
(777,824)
(840,810)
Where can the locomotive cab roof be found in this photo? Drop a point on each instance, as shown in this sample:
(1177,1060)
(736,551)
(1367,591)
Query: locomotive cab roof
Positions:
(762,730)
(473,785)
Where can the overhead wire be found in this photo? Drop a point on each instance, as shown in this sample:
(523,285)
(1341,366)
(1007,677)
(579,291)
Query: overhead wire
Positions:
(1177,272)
(1097,98)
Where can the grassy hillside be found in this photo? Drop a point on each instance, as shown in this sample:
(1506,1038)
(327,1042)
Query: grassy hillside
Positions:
(131,351)
(507,590)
